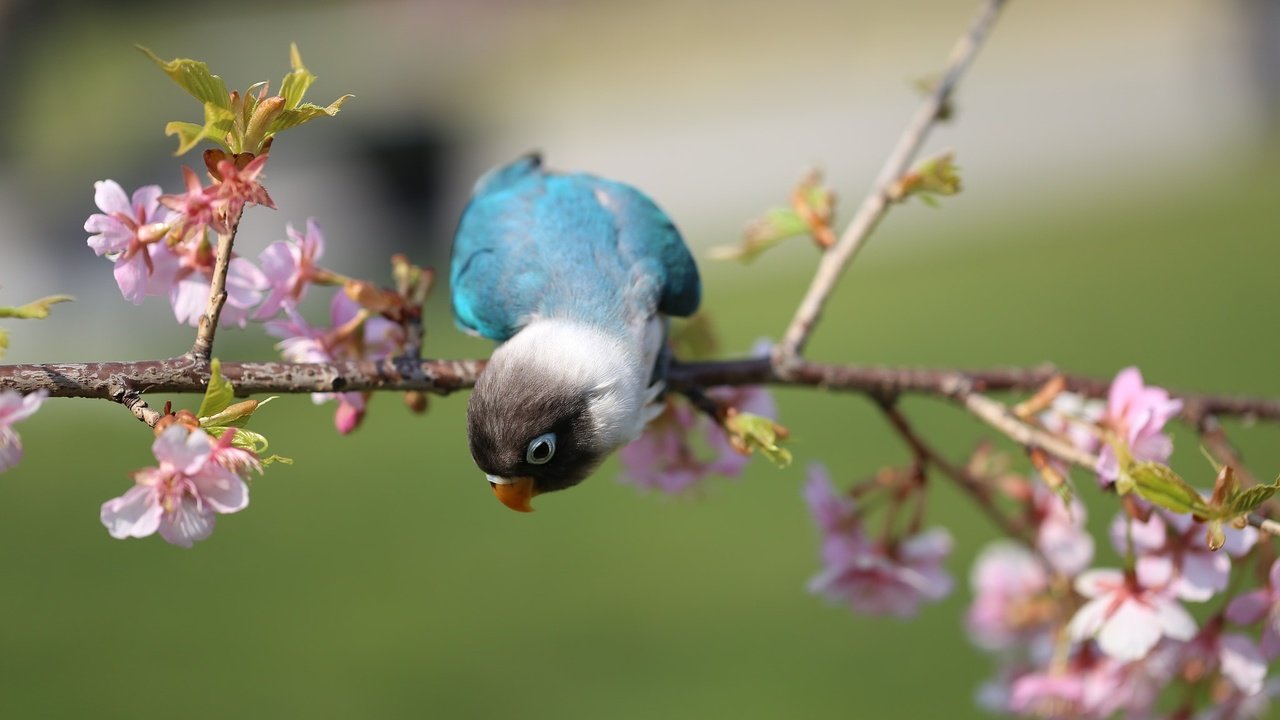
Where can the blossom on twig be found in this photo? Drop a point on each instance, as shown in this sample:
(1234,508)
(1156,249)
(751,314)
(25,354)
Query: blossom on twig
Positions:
(873,577)
(1127,618)
(130,232)
(1137,414)
(290,267)
(197,477)
(354,334)
(665,458)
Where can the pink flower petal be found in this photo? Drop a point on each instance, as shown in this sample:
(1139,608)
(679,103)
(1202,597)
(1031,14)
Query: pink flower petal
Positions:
(1102,581)
(932,544)
(186,524)
(222,489)
(134,514)
(1124,389)
(131,276)
(1175,622)
(1203,575)
(16,407)
(1130,633)
(111,198)
(184,450)
(1250,607)
(1155,571)
(189,296)
(1089,619)
(1242,663)
(10,448)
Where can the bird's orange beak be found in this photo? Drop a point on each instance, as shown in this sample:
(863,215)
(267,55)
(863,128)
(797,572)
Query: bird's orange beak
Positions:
(515,492)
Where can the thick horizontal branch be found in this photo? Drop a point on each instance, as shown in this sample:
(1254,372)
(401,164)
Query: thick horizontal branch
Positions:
(117,380)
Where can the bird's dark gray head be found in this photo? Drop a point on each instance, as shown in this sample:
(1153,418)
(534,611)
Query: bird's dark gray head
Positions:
(551,404)
(533,428)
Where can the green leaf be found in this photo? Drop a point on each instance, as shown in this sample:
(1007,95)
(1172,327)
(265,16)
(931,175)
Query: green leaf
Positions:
(4,342)
(248,440)
(295,84)
(304,113)
(754,432)
(194,77)
(34,310)
(276,459)
(1160,485)
(218,395)
(218,123)
(1246,502)
(935,176)
(762,234)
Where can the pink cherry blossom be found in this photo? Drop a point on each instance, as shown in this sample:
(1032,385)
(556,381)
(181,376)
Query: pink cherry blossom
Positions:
(665,457)
(1126,618)
(290,266)
(347,338)
(1235,656)
(1093,686)
(1261,604)
(1008,583)
(197,477)
(1137,413)
(867,575)
(130,232)
(195,209)
(1171,552)
(237,187)
(189,295)
(15,407)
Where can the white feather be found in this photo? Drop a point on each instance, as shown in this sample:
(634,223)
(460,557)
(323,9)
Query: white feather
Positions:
(612,370)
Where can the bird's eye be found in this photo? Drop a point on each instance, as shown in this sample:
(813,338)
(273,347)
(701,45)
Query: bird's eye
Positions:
(541,449)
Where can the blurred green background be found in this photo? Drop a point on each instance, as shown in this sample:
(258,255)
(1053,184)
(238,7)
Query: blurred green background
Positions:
(1103,224)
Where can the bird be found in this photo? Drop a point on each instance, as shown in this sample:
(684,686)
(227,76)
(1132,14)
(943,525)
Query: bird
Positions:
(574,276)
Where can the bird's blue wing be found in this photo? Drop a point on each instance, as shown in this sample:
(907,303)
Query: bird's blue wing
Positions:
(532,242)
(645,233)
(487,233)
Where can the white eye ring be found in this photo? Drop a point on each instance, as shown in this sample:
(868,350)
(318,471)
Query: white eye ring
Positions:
(545,443)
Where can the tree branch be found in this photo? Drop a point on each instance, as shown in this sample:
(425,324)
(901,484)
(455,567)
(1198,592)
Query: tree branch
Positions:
(877,202)
(113,380)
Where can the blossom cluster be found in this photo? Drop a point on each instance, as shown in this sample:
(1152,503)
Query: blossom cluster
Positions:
(668,457)
(160,245)
(197,477)
(1071,639)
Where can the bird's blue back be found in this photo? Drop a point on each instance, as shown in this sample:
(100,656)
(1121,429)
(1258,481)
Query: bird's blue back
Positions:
(533,243)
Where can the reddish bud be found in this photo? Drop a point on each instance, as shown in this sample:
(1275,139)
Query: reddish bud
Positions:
(416,401)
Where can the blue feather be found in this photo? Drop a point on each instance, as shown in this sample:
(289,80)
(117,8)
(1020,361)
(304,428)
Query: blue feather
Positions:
(537,244)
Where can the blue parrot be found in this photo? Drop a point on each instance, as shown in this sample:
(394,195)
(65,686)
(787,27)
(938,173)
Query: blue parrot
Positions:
(574,276)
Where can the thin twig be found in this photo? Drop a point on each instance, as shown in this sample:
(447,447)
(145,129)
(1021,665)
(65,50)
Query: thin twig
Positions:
(925,454)
(134,403)
(202,349)
(877,202)
(999,416)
